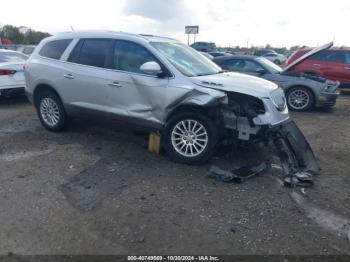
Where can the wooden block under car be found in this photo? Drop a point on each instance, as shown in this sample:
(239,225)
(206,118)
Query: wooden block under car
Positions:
(154,143)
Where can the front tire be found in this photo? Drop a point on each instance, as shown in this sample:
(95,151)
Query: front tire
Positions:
(51,111)
(190,138)
(299,99)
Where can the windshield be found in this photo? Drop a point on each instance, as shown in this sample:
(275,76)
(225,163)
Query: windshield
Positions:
(12,57)
(272,67)
(188,61)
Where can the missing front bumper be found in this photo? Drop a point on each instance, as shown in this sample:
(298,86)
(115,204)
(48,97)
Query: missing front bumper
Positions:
(295,152)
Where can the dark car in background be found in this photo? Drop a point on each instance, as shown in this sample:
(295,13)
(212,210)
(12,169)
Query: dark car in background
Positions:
(331,63)
(302,91)
(218,54)
(204,46)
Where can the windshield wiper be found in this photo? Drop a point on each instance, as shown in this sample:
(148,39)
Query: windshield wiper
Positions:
(219,72)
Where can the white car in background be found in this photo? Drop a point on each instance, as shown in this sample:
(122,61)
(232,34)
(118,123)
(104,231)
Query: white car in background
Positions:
(12,80)
(276,58)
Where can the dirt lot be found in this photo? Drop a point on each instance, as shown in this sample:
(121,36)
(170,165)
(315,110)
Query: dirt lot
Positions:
(95,189)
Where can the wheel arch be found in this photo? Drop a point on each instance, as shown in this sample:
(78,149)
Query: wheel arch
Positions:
(209,111)
(41,88)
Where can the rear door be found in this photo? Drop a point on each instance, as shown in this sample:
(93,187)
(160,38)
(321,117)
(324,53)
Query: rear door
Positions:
(84,83)
(334,66)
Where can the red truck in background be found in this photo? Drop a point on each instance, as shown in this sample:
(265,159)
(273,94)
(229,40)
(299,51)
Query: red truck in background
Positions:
(4,41)
(333,63)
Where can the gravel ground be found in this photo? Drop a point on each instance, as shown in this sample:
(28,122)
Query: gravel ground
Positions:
(95,189)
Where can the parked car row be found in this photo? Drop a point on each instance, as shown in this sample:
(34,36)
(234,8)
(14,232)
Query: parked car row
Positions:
(331,63)
(302,92)
(311,78)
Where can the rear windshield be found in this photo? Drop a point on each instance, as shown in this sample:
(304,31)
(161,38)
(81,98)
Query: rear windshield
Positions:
(12,57)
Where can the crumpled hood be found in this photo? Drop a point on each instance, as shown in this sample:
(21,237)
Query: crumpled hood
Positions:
(236,82)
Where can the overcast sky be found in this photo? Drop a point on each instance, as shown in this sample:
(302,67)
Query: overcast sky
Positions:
(225,22)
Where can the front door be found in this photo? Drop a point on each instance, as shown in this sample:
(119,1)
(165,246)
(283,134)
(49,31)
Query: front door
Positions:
(134,93)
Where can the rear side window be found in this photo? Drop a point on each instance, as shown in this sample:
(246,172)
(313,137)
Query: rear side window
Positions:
(54,49)
(229,65)
(92,52)
(347,58)
(336,57)
(129,56)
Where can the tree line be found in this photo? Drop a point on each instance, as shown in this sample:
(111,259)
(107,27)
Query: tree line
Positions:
(22,34)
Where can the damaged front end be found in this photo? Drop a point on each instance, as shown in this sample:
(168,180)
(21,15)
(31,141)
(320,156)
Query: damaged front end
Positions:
(251,120)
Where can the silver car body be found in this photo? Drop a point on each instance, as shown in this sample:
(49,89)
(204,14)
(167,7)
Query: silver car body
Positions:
(148,99)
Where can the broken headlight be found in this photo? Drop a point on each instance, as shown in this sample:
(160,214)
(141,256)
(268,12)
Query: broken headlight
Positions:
(278,99)
(330,86)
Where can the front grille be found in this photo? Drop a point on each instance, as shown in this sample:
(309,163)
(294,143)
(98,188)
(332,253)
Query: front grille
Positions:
(241,103)
(258,106)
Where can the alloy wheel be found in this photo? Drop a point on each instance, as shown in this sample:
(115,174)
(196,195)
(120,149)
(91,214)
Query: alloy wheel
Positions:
(298,99)
(189,138)
(49,111)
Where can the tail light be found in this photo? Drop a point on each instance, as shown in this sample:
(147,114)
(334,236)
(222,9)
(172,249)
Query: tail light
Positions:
(4,72)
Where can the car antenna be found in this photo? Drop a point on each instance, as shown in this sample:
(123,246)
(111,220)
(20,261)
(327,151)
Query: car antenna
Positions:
(71,27)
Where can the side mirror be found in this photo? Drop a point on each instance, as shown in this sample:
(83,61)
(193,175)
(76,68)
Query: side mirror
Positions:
(260,71)
(151,68)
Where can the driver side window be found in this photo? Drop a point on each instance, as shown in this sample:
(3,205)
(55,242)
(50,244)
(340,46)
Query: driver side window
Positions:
(251,67)
(231,65)
(129,56)
(240,65)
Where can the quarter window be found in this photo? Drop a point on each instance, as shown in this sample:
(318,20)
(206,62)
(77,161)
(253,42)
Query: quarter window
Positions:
(92,52)
(129,56)
(54,49)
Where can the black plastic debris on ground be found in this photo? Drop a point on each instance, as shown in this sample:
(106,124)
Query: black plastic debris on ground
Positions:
(238,175)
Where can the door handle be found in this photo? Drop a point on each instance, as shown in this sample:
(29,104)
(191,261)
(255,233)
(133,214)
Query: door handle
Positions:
(347,68)
(68,76)
(115,84)
(316,64)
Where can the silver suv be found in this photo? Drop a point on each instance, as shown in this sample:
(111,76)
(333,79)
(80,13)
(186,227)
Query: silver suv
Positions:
(155,82)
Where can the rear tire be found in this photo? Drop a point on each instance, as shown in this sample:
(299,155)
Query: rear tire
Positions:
(190,138)
(51,111)
(299,99)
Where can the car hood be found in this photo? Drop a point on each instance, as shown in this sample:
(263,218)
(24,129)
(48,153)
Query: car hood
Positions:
(307,55)
(236,82)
